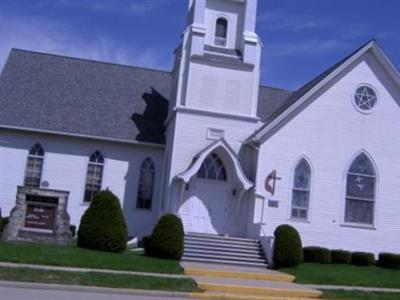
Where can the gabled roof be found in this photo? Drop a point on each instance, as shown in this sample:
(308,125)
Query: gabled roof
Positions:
(63,95)
(75,96)
(292,103)
(230,156)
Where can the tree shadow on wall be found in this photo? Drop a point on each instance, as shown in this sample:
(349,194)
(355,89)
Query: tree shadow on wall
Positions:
(151,122)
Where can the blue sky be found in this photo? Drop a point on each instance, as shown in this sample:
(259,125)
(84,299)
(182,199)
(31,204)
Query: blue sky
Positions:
(301,37)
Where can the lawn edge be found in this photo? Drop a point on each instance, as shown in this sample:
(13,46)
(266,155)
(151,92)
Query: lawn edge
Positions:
(88,270)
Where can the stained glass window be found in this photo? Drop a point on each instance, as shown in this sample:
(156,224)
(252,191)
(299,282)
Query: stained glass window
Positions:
(34,166)
(212,168)
(360,191)
(365,98)
(301,190)
(94,176)
(146,184)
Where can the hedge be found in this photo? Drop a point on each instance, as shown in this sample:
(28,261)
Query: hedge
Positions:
(389,260)
(317,255)
(3,223)
(72,229)
(341,257)
(362,259)
(167,239)
(288,251)
(102,225)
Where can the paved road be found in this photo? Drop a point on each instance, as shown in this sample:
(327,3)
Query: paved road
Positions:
(12,293)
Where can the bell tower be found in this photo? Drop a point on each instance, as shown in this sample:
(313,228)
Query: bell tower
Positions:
(217,66)
(215,82)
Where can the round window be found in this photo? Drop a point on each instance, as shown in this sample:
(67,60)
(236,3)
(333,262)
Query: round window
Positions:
(365,98)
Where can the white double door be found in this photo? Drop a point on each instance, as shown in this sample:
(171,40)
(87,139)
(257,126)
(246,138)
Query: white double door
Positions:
(207,207)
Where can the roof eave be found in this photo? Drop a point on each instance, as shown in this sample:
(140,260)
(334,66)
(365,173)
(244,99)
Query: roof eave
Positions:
(372,45)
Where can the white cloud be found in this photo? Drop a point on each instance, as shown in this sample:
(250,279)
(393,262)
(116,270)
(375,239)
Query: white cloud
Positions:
(306,47)
(52,37)
(135,7)
(284,20)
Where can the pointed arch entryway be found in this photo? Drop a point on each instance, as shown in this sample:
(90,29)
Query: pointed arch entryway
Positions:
(212,192)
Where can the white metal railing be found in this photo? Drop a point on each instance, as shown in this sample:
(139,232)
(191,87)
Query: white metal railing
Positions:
(220,41)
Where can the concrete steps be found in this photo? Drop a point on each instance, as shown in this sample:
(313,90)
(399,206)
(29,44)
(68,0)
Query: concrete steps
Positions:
(245,283)
(225,250)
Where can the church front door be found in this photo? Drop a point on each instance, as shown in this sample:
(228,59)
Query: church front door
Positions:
(207,207)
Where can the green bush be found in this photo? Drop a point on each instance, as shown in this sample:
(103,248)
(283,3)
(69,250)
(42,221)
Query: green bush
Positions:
(288,251)
(317,255)
(362,259)
(3,223)
(166,241)
(72,229)
(341,257)
(102,225)
(389,260)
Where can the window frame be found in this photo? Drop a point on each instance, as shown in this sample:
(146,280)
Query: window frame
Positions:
(214,157)
(309,190)
(95,164)
(35,158)
(225,38)
(345,196)
(141,205)
(353,101)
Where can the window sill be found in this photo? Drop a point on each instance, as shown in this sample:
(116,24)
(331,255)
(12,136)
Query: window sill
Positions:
(360,226)
(299,220)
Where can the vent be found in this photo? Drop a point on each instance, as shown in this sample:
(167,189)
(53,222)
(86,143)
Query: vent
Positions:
(215,134)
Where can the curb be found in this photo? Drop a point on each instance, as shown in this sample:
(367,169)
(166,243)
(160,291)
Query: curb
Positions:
(91,289)
(259,291)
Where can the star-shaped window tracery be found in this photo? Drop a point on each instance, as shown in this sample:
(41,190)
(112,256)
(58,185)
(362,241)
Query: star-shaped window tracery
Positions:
(365,98)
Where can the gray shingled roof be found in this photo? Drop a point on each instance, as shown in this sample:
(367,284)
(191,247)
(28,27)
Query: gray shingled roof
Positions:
(76,96)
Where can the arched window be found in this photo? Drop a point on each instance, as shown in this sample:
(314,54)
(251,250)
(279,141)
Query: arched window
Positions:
(221,31)
(34,166)
(360,191)
(94,176)
(212,168)
(146,184)
(301,190)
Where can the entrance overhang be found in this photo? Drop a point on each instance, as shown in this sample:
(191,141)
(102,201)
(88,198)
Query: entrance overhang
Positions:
(222,148)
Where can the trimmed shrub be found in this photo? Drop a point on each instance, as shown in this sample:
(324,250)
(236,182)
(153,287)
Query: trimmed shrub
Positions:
(341,257)
(362,259)
(102,225)
(167,238)
(3,223)
(389,260)
(288,251)
(72,229)
(317,255)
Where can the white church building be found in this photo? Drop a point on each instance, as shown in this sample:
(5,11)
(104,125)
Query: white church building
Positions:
(205,141)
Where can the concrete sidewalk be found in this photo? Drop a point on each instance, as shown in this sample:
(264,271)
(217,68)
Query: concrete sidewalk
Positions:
(351,288)
(87,270)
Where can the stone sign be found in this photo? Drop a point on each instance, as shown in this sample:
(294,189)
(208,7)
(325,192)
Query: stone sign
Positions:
(39,216)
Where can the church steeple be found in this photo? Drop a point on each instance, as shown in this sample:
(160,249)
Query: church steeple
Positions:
(217,65)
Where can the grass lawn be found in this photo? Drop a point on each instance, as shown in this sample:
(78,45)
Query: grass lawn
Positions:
(350,295)
(345,275)
(99,279)
(73,256)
